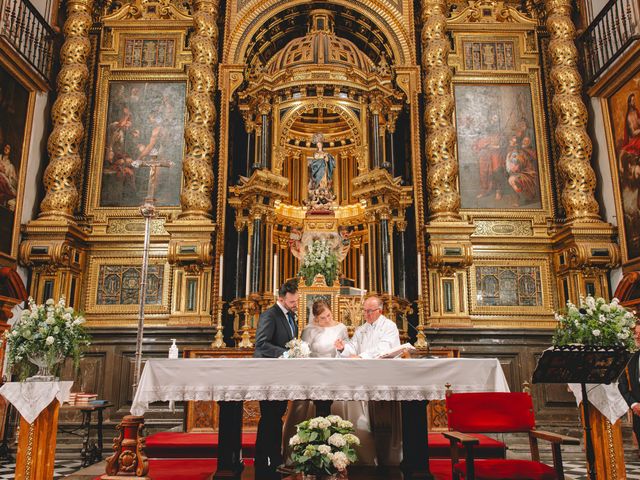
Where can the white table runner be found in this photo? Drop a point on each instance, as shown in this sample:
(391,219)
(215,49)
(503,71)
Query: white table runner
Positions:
(227,379)
(31,398)
(606,398)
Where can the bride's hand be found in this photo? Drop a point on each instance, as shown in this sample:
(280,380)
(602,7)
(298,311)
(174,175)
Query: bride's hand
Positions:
(339,344)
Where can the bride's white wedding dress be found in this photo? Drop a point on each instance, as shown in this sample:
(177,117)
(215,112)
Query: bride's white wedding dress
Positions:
(321,341)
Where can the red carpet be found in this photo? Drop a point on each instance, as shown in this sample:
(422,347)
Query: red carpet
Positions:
(192,445)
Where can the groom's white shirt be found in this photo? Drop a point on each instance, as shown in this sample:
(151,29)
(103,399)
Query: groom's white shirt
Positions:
(370,340)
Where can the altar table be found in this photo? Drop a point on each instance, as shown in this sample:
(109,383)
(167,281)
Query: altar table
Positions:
(230,381)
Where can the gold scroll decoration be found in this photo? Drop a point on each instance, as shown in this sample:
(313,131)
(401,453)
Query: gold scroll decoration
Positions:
(62,173)
(579,179)
(198,164)
(444,199)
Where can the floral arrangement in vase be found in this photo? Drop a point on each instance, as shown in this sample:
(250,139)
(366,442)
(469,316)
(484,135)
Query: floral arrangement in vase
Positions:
(324,446)
(596,323)
(297,349)
(44,336)
(320,258)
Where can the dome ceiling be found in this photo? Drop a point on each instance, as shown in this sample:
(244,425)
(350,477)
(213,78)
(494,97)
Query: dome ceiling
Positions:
(293,23)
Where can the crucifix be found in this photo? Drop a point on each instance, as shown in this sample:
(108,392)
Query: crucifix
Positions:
(148,211)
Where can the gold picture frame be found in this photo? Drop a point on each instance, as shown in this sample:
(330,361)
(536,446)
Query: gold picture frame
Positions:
(309,294)
(616,90)
(19,141)
(538,315)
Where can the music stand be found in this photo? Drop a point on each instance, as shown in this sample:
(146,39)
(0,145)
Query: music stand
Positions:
(581,364)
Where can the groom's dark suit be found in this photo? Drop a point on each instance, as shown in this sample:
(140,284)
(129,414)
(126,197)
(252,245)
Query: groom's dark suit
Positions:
(274,331)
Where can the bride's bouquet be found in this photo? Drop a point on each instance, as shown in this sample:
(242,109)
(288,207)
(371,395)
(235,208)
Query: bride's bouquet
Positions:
(324,446)
(297,349)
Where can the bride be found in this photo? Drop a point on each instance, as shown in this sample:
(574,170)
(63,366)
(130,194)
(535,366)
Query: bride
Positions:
(321,335)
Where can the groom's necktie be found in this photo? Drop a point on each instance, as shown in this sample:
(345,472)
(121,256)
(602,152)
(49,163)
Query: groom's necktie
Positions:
(292,324)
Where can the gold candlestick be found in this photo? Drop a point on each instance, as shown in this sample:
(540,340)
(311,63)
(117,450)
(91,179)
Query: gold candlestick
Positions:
(219,338)
(421,339)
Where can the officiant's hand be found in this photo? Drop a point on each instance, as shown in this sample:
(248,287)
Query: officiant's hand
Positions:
(339,344)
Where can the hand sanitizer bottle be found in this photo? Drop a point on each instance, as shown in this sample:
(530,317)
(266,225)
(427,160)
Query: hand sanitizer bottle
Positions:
(173,350)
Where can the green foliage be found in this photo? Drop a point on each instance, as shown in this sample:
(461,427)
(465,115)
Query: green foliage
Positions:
(51,331)
(324,446)
(319,258)
(596,323)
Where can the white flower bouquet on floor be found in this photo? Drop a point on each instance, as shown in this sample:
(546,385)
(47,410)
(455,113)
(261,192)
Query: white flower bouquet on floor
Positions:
(324,446)
(596,323)
(297,349)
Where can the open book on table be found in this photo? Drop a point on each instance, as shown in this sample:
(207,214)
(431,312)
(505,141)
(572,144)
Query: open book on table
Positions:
(397,351)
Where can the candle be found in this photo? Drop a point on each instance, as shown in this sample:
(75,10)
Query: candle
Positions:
(247,285)
(419,277)
(362,282)
(389,274)
(221,274)
(275,274)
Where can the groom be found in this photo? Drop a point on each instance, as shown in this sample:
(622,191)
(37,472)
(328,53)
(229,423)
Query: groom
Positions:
(276,327)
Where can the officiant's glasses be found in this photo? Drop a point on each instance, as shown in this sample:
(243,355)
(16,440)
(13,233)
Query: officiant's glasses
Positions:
(370,310)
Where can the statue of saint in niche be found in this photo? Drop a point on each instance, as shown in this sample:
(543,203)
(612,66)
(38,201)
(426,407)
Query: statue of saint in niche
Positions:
(321,167)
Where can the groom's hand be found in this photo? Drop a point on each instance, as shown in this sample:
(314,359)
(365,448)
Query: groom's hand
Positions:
(339,344)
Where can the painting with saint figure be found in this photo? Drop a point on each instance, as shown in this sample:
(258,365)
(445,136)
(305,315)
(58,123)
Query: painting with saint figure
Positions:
(144,144)
(14,103)
(497,148)
(624,108)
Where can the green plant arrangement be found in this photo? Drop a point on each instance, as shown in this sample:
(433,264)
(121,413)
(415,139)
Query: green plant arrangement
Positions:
(320,258)
(596,323)
(323,446)
(43,337)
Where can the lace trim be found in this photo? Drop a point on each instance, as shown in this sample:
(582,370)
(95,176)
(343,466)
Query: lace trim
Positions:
(236,393)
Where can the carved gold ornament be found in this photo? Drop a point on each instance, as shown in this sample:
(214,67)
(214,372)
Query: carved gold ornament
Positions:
(201,146)
(579,179)
(62,173)
(444,199)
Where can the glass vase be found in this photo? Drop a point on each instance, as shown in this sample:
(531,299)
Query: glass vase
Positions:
(45,368)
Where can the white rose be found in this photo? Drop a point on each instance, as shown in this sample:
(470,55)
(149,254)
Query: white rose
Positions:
(67,316)
(602,318)
(50,340)
(50,321)
(49,302)
(345,424)
(295,440)
(324,449)
(615,301)
(313,423)
(605,308)
(623,335)
(334,418)
(352,439)
(596,333)
(340,461)
(591,303)
(337,440)
(324,423)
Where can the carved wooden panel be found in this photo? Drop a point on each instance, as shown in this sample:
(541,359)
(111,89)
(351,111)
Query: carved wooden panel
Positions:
(437,409)
(203,416)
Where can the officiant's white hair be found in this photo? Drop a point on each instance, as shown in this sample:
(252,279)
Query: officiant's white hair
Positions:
(378,300)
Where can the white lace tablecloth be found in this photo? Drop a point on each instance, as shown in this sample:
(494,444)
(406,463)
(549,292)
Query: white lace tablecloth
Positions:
(606,398)
(228,379)
(31,398)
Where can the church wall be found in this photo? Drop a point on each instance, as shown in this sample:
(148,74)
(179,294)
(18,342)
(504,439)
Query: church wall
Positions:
(36,165)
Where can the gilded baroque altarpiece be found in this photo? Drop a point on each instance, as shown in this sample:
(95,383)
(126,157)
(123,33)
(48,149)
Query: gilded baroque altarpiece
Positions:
(450,215)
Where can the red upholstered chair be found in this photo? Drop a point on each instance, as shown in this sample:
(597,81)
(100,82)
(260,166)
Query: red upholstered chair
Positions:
(498,412)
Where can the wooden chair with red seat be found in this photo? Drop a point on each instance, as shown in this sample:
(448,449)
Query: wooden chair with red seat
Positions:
(499,412)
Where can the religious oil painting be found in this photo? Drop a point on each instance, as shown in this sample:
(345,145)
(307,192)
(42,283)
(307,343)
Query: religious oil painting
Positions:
(624,111)
(144,144)
(14,107)
(497,147)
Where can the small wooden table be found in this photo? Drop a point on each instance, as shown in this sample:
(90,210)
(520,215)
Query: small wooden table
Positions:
(91,449)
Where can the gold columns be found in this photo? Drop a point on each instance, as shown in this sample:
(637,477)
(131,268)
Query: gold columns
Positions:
(198,164)
(65,164)
(444,199)
(579,180)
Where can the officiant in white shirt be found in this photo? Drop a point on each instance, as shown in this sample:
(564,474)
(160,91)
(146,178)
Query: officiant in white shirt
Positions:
(376,336)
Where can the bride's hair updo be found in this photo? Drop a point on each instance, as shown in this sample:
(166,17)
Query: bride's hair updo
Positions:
(319,306)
